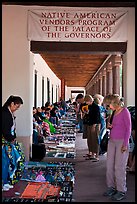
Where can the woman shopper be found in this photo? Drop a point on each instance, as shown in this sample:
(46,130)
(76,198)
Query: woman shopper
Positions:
(117,152)
(98,98)
(88,99)
(79,113)
(12,155)
(93,123)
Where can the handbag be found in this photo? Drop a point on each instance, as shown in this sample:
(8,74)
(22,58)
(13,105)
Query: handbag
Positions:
(104,141)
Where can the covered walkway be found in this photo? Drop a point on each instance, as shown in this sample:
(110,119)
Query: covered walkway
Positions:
(90,177)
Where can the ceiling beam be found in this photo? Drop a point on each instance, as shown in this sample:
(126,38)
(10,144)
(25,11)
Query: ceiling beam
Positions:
(109,47)
(74,4)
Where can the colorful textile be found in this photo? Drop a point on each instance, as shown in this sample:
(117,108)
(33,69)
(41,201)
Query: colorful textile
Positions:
(40,177)
(12,161)
(40,190)
(52,129)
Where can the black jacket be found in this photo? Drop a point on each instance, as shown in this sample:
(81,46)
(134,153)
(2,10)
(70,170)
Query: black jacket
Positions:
(94,114)
(7,123)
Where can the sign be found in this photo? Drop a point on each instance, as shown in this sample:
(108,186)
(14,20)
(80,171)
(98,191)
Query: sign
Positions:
(77,24)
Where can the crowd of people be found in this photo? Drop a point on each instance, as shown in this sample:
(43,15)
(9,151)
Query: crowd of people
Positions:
(96,116)
(47,118)
(91,117)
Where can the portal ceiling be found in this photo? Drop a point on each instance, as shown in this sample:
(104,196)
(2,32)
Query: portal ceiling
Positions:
(75,68)
(76,63)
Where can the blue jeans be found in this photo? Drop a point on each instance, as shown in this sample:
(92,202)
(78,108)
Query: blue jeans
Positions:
(102,133)
(80,125)
(5,166)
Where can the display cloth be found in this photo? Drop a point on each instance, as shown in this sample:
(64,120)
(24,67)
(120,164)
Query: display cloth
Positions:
(43,181)
(40,190)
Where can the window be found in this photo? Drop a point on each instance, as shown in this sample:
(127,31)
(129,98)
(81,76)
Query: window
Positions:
(35,89)
(42,91)
(56,93)
(74,93)
(52,94)
(48,89)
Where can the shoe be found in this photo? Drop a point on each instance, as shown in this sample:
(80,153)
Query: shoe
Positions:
(80,131)
(90,157)
(87,155)
(95,159)
(109,192)
(8,185)
(118,196)
(5,188)
(102,152)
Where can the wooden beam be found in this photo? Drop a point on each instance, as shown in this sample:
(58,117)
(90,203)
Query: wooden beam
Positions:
(104,47)
(74,4)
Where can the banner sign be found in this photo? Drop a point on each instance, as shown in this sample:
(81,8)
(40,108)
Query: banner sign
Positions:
(77,24)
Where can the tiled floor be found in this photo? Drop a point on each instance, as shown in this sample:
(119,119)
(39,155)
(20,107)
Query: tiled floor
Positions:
(90,177)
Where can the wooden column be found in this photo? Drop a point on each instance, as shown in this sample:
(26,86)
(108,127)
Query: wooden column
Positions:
(90,90)
(100,83)
(104,82)
(93,89)
(63,89)
(116,75)
(109,79)
(97,84)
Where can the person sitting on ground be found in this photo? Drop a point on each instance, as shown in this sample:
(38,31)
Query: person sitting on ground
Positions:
(36,116)
(54,116)
(48,105)
(40,113)
(43,111)
(51,126)
(63,105)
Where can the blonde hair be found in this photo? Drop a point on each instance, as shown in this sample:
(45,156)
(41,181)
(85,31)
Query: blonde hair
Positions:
(88,98)
(114,99)
(107,99)
(98,98)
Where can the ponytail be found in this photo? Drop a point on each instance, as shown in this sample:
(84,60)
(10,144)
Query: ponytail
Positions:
(15,99)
